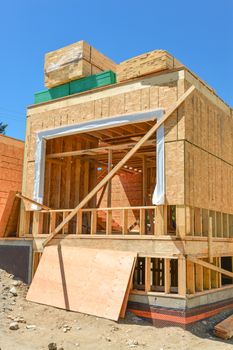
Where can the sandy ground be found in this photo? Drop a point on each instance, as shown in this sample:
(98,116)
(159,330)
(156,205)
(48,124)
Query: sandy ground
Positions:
(41,325)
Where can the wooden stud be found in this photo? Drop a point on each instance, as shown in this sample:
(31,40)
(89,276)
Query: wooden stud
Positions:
(214,275)
(24,222)
(197,222)
(125,221)
(52,223)
(190,277)
(181,276)
(210,239)
(189,221)
(65,228)
(93,222)
(37,226)
(180,221)
(147,274)
(161,220)
(79,222)
(199,278)
(167,276)
(109,222)
(142,222)
(109,185)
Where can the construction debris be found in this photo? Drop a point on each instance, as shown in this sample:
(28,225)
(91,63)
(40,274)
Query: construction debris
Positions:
(224,329)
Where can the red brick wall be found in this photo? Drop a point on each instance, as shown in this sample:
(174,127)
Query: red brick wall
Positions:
(11,165)
(126,192)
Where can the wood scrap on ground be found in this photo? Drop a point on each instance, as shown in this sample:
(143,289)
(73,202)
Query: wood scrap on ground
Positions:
(224,329)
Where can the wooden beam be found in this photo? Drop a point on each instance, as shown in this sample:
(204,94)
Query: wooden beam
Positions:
(147,274)
(121,163)
(199,278)
(98,150)
(182,276)
(167,276)
(109,222)
(210,239)
(109,186)
(210,266)
(190,277)
(32,201)
(125,221)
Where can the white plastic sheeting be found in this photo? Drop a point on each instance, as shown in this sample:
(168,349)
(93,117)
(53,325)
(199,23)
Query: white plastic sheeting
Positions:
(158,197)
(93,125)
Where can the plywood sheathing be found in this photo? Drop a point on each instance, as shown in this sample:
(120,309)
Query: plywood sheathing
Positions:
(74,62)
(91,281)
(208,155)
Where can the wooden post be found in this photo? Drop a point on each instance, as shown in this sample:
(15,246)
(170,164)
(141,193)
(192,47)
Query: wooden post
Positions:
(190,277)
(181,276)
(147,274)
(37,226)
(79,223)
(109,186)
(189,211)
(52,223)
(125,222)
(160,220)
(180,221)
(198,278)
(66,227)
(142,221)
(144,188)
(167,276)
(68,182)
(210,239)
(93,222)
(24,222)
(109,222)
(197,222)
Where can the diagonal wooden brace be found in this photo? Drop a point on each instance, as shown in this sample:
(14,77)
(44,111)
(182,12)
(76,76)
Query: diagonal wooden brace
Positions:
(120,164)
(210,266)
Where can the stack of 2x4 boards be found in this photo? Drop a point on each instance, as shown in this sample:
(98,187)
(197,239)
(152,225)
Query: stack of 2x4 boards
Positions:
(73,69)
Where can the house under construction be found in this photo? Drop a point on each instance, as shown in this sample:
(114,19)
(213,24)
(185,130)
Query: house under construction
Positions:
(132,159)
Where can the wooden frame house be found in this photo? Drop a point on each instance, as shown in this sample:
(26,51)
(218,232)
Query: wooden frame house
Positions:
(94,163)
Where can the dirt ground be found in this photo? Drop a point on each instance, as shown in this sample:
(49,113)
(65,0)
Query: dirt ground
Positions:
(39,325)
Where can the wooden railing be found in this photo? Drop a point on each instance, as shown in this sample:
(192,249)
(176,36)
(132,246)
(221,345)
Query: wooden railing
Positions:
(139,220)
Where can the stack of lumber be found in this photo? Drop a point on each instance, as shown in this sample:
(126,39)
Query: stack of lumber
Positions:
(73,62)
(151,62)
(224,329)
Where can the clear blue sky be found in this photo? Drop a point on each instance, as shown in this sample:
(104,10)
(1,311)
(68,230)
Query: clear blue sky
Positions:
(199,33)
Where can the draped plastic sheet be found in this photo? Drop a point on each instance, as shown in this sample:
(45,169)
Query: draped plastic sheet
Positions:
(105,123)
(158,197)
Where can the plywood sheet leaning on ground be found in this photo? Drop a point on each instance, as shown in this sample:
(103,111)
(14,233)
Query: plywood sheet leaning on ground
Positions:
(91,281)
(224,329)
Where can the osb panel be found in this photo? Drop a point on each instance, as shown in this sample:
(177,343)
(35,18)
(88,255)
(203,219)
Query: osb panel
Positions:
(208,180)
(209,127)
(174,169)
(91,281)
